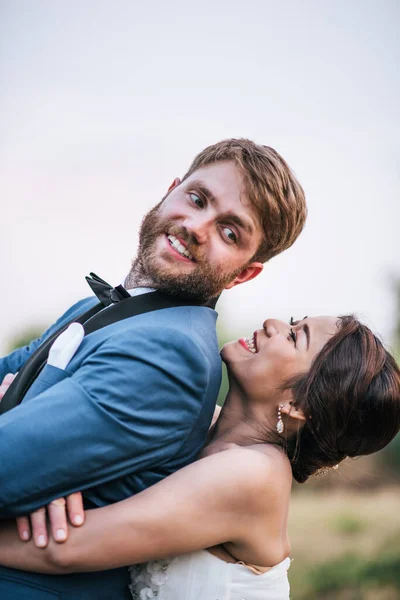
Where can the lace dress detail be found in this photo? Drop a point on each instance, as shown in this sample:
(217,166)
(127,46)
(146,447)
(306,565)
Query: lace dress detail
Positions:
(147,578)
(203,576)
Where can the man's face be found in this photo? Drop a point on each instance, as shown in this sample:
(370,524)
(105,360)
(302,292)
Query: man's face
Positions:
(201,237)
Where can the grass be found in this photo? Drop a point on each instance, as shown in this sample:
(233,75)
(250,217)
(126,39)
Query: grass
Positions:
(345,545)
(347,523)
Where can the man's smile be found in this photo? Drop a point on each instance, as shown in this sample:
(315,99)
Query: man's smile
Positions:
(179,247)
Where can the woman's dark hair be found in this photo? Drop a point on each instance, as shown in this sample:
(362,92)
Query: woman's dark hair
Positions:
(351,398)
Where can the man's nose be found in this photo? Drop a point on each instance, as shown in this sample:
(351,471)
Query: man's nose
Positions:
(199,227)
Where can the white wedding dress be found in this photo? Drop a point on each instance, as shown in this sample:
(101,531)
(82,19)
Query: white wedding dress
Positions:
(203,576)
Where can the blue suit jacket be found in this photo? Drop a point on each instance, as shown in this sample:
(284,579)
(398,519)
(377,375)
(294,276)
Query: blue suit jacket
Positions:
(133,406)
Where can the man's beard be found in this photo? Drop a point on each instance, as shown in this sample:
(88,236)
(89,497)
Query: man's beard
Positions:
(202,283)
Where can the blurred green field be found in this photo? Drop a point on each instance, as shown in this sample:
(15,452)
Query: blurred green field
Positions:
(345,544)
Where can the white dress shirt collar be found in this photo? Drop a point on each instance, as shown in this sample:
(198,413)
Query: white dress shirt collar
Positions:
(140,290)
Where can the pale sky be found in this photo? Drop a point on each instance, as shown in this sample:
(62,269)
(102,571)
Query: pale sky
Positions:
(103,103)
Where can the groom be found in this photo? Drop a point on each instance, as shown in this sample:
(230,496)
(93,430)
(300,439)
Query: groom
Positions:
(136,400)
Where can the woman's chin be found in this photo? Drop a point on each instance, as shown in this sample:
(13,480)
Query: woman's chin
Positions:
(229,352)
(236,357)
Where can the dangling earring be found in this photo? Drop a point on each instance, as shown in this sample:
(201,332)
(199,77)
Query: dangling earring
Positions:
(280,426)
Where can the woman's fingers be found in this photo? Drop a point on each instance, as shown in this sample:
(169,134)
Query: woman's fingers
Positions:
(24,528)
(57,511)
(76,513)
(39,528)
(60,510)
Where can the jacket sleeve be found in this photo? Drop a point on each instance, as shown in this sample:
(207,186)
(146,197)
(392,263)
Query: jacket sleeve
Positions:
(16,359)
(129,406)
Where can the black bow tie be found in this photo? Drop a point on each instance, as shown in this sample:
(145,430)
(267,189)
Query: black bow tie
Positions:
(105,292)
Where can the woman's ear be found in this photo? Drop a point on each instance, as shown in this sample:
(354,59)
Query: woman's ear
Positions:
(292,411)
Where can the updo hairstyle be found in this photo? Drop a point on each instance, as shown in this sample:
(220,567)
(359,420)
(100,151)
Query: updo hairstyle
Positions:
(351,398)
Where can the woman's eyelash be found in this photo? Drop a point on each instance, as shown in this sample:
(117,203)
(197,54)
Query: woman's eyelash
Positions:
(293,322)
(293,335)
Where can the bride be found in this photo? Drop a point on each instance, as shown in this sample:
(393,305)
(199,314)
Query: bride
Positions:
(302,397)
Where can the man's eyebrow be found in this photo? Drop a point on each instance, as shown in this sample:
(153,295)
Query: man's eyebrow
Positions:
(245,224)
(196,183)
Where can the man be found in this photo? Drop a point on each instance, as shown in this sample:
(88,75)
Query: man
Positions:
(137,398)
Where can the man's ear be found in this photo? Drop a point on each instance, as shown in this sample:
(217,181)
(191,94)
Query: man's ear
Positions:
(174,184)
(251,271)
(293,412)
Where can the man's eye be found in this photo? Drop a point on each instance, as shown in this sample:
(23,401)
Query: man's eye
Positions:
(196,200)
(231,235)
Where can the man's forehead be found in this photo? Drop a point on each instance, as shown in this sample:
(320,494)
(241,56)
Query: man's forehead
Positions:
(222,177)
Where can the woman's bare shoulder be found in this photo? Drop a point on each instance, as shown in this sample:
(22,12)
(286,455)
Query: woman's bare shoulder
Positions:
(250,473)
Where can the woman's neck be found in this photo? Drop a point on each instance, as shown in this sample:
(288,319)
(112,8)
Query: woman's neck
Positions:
(241,423)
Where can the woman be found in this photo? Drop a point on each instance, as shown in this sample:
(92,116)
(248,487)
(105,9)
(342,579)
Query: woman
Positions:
(302,397)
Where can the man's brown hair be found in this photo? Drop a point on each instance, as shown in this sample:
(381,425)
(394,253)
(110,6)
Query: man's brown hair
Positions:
(270,186)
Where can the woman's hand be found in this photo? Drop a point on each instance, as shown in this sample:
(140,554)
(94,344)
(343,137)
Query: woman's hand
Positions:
(217,498)
(56,515)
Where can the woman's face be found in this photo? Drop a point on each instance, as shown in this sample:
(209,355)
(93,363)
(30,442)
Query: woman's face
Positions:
(262,363)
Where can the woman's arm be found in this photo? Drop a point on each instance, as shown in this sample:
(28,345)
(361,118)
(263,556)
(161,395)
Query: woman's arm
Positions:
(56,515)
(214,500)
